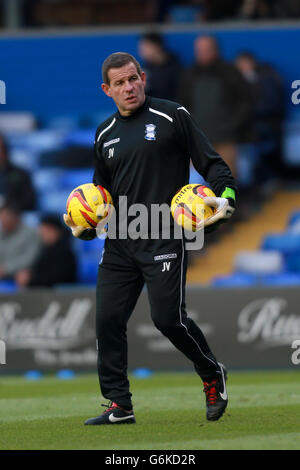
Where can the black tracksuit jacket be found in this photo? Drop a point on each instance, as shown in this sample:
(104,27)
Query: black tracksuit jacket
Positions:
(146,156)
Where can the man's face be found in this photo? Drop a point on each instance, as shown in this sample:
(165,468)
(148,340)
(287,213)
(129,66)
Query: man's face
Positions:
(245,65)
(49,234)
(149,51)
(206,50)
(126,87)
(9,220)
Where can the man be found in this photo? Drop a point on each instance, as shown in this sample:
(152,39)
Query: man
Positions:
(19,244)
(267,93)
(161,66)
(15,183)
(143,152)
(217,96)
(56,263)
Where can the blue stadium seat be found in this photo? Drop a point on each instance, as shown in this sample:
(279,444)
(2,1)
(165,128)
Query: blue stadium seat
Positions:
(45,178)
(295,228)
(234,280)
(259,263)
(88,269)
(246,280)
(82,138)
(37,141)
(53,201)
(184,14)
(8,287)
(292,263)
(284,242)
(283,279)
(24,158)
(31,218)
(73,178)
(291,143)
(94,247)
(288,244)
(66,123)
(294,219)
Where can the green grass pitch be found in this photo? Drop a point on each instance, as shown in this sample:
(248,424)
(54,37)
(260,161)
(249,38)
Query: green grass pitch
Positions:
(263,413)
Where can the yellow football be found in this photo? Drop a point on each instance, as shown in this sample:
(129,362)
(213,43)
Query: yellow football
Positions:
(84,201)
(188,206)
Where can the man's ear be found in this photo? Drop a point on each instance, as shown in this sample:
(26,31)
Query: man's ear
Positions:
(144,78)
(106,88)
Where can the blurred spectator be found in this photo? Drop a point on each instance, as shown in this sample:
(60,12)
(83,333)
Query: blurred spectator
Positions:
(161,66)
(258,9)
(218,96)
(162,8)
(28,12)
(15,183)
(268,109)
(287,8)
(56,263)
(266,9)
(19,244)
(216,10)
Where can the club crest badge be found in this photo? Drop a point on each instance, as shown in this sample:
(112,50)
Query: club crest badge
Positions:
(150,132)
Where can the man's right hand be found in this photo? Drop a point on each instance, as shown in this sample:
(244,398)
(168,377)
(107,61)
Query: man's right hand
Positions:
(80,232)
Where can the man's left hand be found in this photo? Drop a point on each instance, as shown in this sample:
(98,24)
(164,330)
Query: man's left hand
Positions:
(224,210)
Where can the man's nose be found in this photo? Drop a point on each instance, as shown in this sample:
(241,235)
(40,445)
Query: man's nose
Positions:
(128,86)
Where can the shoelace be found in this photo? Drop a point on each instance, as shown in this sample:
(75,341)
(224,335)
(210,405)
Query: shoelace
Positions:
(110,406)
(211,392)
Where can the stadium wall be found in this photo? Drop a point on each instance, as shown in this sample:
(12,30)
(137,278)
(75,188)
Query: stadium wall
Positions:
(50,330)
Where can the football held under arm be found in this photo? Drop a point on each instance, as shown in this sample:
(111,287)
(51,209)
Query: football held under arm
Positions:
(81,232)
(206,160)
(210,165)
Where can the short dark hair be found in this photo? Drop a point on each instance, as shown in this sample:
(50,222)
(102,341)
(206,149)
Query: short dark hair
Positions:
(155,38)
(53,220)
(11,206)
(118,60)
(246,55)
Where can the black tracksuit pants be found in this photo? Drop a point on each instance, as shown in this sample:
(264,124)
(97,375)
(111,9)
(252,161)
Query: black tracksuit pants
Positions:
(125,267)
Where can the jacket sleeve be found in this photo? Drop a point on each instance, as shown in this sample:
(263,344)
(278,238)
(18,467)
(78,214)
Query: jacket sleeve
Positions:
(205,159)
(101,173)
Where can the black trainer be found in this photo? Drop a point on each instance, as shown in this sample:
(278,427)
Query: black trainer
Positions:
(216,396)
(113,415)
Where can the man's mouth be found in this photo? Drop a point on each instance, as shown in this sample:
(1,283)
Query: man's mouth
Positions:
(131,98)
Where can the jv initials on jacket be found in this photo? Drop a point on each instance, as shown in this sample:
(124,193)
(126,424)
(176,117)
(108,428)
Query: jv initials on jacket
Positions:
(166,266)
